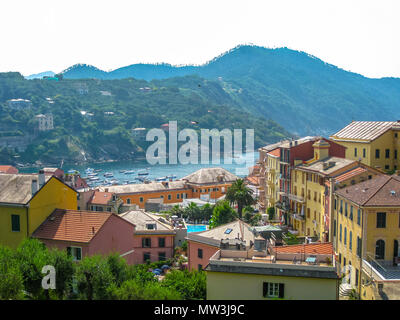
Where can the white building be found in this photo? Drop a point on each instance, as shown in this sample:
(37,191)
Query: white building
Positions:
(45,122)
(19,103)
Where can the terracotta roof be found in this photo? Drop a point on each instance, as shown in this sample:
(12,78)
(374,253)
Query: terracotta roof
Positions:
(333,164)
(253,180)
(8,169)
(101,197)
(310,248)
(276,152)
(381,191)
(349,174)
(364,130)
(71,225)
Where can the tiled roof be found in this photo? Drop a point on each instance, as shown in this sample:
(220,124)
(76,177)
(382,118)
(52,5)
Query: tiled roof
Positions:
(210,176)
(253,180)
(140,219)
(349,174)
(17,188)
(276,152)
(318,166)
(145,187)
(310,248)
(101,197)
(8,169)
(381,190)
(364,130)
(215,235)
(72,225)
(286,143)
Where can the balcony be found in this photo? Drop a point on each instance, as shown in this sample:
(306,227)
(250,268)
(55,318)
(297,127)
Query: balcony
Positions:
(298,217)
(296,198)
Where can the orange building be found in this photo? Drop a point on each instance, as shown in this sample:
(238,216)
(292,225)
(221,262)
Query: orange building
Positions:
(205,184)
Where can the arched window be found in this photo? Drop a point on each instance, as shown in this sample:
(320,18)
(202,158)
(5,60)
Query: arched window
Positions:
(380,250)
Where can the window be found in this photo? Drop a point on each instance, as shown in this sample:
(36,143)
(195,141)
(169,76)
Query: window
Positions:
(386,167)
(345,209)
(364,153)
(150,226)
(15,223)
(161,256)
(344,261)
(359,247)
(75,253)
(334,228)
(377,154)
(350,240)
(340,233)
(340,258)
(108,209)
(387,153)
(381,219)
(199,267)
(146,243)
(359,217)
(146,256)
(351,213)
(161,242)
(169,197)
(200,253)
(345,236)
(355,152)
(177,195)
(141,199)
(380,250)
(273,290)
(341,206)
(334,204)
(356,280)
(128,201)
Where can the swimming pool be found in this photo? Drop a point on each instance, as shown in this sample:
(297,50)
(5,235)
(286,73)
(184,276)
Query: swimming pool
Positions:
(196,227)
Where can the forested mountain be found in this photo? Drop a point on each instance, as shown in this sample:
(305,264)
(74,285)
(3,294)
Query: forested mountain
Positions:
(93,118)
(301,92)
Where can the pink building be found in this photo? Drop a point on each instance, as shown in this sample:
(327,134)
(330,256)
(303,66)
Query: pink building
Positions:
(202,245)
(85,233)
(153,238)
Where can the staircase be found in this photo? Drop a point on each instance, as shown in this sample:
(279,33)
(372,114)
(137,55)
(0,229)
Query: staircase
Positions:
(345,290)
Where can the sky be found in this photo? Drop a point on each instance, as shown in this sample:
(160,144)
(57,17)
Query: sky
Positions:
(41,35)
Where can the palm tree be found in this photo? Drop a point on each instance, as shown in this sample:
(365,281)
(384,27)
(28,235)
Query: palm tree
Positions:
(240,194)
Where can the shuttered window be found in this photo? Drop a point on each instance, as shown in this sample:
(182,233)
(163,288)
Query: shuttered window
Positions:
(273,290)
(15,223)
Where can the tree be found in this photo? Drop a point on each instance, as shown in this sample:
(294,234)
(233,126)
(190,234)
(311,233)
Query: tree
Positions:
(250,216)
(222,214)
(238,193)
(94,277)
(65,268)
(271,213)
(11,280)
(191,285)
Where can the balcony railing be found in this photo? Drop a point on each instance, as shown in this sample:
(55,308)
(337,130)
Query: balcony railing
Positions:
(295,198)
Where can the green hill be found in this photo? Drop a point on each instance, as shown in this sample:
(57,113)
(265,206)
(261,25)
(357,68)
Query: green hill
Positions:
(117,107)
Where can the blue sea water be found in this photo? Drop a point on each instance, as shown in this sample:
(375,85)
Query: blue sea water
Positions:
(157,170)
(196,227)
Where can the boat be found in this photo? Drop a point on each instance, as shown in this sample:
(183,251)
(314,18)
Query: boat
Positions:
(143,173)
(129,171)
(172,176)
(162,179)
(108,174)
(122,171)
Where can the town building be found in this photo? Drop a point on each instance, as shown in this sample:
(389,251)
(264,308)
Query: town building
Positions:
(207,184)
(139,133)
(203,245)
(296,272)
(313,182)
(8,169)
(26,200)
(85,233)
(94,200)
(153,238)
(45,122)
(19,104)
(367,233)
(375,143)
(276,163)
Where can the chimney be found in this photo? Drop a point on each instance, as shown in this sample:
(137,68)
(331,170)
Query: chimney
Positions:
(34,187)
(41,178)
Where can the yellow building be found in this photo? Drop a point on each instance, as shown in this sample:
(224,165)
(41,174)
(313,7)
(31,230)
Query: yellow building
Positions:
(26,200)
(269,161)
(366,236)
(375,143)
(298,272)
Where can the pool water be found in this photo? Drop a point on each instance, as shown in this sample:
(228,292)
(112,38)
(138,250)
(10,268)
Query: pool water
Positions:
(196,227)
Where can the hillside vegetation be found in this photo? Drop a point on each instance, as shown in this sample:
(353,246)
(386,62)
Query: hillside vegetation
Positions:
(192,101)
(301,92)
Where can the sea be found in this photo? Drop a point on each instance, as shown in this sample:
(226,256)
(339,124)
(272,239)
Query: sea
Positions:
(239,165)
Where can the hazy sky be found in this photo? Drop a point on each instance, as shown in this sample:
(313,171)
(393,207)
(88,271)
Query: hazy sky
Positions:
(360,36)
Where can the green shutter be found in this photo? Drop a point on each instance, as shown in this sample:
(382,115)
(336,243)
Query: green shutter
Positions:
(265,289)
(15,224)
(69,251)
(78,253)
(281,290)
